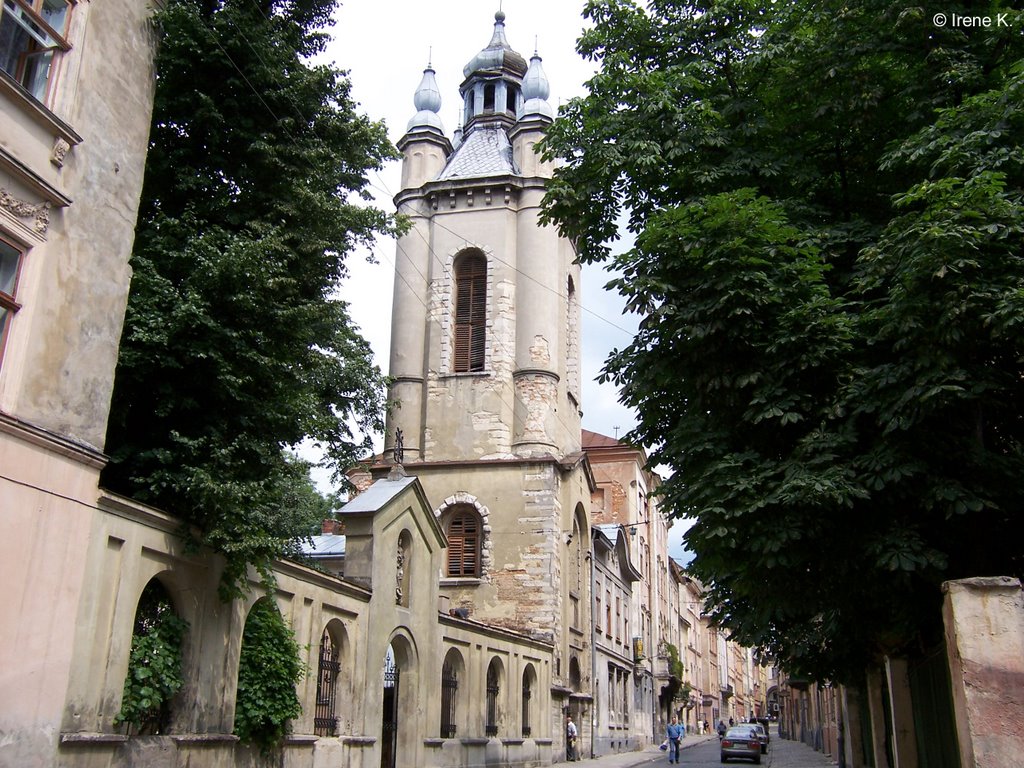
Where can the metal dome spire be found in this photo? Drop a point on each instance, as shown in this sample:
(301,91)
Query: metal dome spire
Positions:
(427,101)
(536,91)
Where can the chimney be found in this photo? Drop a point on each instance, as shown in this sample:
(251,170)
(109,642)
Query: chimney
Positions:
(330,527)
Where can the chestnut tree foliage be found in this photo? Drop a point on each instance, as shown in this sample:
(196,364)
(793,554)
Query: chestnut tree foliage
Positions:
(235,347)
(828,207)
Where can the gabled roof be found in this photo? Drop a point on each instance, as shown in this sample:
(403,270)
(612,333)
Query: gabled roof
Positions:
(377,495)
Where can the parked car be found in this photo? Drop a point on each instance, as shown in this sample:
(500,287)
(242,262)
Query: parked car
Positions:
(762,735)
(741,742)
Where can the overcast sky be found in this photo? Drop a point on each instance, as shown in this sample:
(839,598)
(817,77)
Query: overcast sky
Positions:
(385,46)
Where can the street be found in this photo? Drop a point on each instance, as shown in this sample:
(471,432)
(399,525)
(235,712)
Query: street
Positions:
(703,752)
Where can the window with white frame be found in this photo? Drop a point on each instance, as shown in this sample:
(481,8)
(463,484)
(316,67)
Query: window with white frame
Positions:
(10,266)
(463,531)
(470,313)
(32,36)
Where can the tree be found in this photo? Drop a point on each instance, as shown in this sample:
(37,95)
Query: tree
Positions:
(235,347)
(827,202)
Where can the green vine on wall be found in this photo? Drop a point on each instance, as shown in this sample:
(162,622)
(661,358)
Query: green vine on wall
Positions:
(675,663)
(269,668)
(154,664)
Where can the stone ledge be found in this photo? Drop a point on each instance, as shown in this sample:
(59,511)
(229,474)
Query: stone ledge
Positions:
(87,739)
(359,741)
(301,740)
(202,739)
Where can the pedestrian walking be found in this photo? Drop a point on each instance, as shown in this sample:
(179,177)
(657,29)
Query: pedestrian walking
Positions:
(570,739)
(675,738)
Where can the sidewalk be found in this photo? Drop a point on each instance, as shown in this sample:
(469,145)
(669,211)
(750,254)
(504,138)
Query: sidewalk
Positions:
(627,759)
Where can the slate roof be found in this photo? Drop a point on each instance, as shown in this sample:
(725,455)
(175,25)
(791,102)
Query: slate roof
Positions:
(486,151)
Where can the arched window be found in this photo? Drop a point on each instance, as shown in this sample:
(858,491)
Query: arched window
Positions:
(325,723)
(463,543)
(528,675)
(489,97)
(154,663)
(493,689)
(449,689)
(470,313)
(575,678)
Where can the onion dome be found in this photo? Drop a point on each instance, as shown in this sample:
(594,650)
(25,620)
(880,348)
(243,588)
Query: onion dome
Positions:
(535,92)
(498,55)
(427,101)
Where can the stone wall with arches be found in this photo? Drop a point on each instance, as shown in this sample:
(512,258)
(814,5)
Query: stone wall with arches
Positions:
(364,646)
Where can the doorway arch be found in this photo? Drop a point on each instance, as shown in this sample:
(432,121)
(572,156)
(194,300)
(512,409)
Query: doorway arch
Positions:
(399,726)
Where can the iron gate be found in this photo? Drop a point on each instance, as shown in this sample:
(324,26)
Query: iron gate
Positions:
(389,724)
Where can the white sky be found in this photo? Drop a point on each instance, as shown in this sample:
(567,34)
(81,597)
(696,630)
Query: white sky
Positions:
(385,45)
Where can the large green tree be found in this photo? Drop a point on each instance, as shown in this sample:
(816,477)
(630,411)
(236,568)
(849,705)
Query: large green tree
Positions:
(235,346)
(827,203)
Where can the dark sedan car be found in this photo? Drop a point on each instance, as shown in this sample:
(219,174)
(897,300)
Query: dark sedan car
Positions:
(741,742)
(762,735)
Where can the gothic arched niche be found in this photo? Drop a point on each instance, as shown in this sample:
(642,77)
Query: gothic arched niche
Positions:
(403,569)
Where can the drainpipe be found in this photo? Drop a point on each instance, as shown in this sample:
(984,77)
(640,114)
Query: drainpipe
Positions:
(593,651)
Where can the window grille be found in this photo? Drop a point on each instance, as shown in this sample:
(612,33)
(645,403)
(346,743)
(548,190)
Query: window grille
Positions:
(526,707)
(491,728)
(470,313)
(464,544)
(449,686)
(325,723)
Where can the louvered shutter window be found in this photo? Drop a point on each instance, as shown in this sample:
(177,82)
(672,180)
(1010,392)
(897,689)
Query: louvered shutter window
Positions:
(470,313)
(464,545)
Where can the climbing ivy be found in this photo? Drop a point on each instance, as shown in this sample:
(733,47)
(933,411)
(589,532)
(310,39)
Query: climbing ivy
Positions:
(675,664)
(268,670)
(154,664)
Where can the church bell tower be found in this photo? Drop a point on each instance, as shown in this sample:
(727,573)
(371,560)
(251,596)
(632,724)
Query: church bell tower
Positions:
(485,362)
(485,351)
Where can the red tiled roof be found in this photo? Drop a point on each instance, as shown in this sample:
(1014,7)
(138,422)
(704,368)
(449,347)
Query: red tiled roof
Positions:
(594,440)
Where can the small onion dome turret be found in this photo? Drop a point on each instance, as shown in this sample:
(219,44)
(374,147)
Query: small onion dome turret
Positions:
(535,92)
(492,90)
(427,101)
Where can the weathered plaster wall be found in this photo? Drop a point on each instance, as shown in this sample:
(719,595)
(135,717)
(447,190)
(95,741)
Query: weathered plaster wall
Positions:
(519,584)
(984,620)
(80,278)
(130,544)
(42,567)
